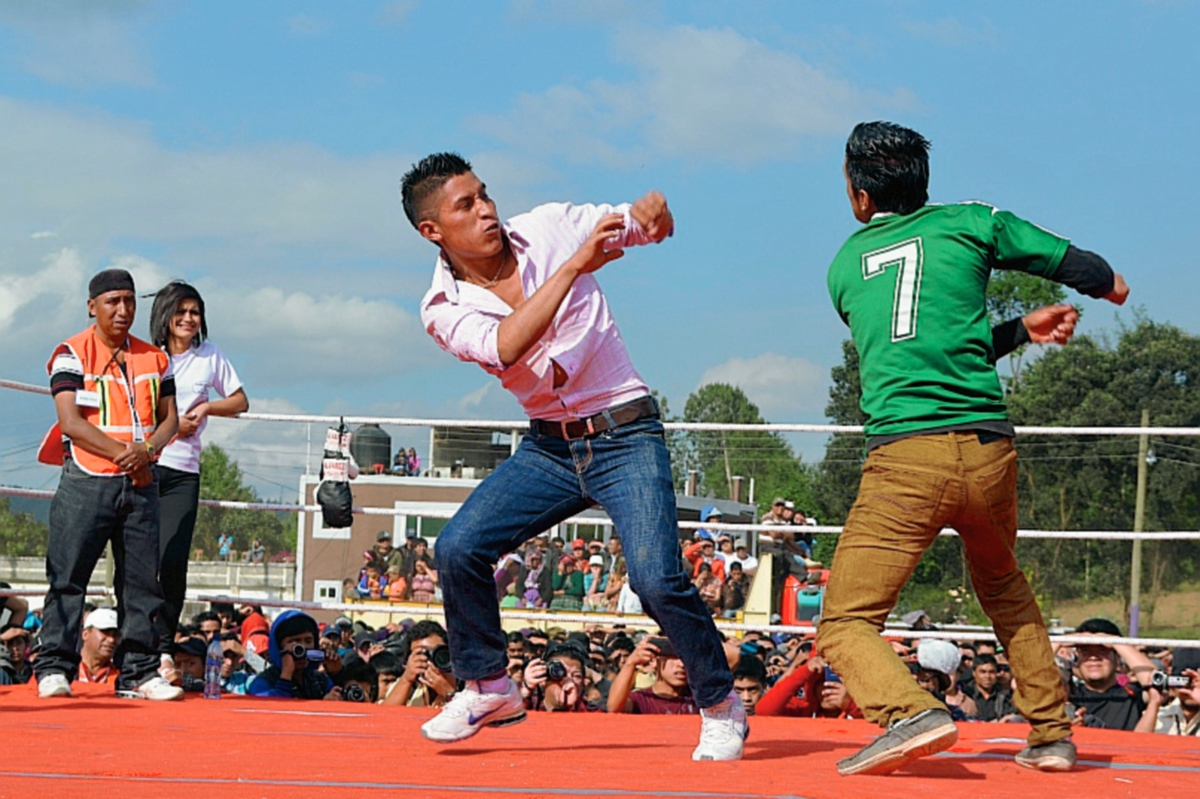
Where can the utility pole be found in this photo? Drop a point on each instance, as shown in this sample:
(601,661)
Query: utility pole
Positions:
(1139,522)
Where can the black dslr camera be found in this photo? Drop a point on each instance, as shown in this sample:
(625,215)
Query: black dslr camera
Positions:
(301,652)
(556,671)
(439,656)
(354,693)
(1163,682)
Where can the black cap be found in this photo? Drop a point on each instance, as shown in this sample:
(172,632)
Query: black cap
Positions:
(1185,659)
(1102,626)
(384,535)
(191,646)
(109,280)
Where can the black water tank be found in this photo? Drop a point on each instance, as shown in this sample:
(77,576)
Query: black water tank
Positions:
(371,448)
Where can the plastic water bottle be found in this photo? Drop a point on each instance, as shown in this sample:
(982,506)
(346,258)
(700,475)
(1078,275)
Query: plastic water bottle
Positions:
(213,661)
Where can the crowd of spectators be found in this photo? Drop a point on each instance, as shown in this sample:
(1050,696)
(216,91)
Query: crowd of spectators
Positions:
(398,574)
(407,463)
(615,669)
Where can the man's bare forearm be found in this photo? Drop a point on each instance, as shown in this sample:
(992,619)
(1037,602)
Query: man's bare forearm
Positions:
(521,329)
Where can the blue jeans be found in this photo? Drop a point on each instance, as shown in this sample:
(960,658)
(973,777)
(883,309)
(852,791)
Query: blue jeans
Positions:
(626,470)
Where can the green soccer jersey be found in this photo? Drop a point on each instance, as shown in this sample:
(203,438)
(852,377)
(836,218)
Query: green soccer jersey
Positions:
(912,289)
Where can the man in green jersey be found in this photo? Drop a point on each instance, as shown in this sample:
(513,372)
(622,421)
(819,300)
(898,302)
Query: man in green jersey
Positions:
(911,284)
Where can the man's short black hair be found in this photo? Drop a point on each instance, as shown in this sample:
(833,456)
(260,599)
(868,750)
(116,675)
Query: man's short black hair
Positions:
(207,615)
(515,637)
(386,662)
(984,660)
(363,671)
(891,164)
(571,650)
(425,179)
(752,669)
(424,629)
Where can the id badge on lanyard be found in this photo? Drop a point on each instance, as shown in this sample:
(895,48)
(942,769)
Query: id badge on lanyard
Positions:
(139,431)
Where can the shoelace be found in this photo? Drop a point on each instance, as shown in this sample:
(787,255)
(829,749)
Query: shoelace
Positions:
(718,723)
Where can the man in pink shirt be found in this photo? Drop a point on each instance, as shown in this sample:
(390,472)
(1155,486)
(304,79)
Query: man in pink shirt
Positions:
(520,299)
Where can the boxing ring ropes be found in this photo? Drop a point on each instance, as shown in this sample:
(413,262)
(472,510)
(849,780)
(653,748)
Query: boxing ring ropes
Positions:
(547,618)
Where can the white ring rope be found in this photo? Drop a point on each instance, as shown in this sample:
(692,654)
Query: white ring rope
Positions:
(549,618)
(604,521)
(511,424)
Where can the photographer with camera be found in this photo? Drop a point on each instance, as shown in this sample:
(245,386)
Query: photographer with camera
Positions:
(558,682)
(427,680)
(669,695)
(295,670)
(1181,716)
(1103,699)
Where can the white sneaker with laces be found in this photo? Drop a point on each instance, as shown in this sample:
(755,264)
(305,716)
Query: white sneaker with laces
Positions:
(53,685)
(723,730)
(472,709)
(158,690)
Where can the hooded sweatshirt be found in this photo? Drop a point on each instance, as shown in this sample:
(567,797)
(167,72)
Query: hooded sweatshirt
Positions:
(311,683)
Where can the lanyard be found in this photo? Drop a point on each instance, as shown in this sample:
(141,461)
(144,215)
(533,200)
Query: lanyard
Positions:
(129,379)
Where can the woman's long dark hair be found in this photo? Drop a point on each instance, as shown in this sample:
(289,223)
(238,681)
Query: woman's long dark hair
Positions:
(166,303)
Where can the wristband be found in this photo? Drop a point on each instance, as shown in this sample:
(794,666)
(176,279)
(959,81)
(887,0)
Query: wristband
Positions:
(151,449)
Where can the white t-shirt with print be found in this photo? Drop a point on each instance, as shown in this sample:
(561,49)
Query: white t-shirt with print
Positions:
(198,373)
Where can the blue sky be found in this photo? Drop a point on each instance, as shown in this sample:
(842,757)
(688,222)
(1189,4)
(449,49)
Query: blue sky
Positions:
(255,150)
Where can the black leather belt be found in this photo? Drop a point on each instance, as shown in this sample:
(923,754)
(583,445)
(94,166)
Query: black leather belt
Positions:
(614,417)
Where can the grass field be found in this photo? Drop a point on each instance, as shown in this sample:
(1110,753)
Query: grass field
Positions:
(1177,614)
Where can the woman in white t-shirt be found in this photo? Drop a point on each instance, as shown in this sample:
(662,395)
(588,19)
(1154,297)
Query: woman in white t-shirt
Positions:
(179,326)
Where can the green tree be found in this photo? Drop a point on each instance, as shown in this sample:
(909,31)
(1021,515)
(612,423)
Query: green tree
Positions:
(1071,482)
(838,473)
(21,535)
(221,478)
(720,455)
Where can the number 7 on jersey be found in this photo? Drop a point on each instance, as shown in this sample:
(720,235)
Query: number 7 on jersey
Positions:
(909,256)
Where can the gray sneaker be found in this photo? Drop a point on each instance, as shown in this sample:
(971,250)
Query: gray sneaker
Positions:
(1054,756)
(926,733)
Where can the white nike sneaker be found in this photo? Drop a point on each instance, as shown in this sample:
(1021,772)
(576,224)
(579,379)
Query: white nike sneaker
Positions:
(53,685)
(471,709)
(723,730)
(155,689)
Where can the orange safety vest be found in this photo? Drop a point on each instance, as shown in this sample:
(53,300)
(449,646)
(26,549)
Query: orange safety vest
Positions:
(110,408)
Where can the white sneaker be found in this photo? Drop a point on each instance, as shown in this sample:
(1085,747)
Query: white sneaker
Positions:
(723,730)
(53,685)
(471,709)
(156,689)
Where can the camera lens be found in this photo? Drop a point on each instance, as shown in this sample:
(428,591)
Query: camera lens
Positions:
(354,693)
(556,671)
(440,657)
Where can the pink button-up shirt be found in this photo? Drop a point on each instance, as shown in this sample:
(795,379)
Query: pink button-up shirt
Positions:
(583,339)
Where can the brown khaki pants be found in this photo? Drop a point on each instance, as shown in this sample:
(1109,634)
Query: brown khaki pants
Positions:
(910,490)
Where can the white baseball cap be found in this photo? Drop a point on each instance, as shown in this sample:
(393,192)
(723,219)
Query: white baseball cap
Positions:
(937,655)
(102,619)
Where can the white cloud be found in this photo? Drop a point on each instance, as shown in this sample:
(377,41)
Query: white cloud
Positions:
(62,280)
(290,338)
(272,453)
(93,178)
(78,43)
(396,12)
(473,399)
(951,32)
(43,234)
(702,94)
(304,25)
(784,389)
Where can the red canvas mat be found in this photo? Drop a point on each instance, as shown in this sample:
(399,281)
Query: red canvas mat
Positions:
(95,745)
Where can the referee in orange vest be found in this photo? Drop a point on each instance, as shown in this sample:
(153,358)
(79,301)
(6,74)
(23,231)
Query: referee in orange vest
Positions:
(115,399)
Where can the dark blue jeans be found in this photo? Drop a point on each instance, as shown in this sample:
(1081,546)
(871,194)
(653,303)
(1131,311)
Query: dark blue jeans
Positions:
(85,514)
(628,472)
